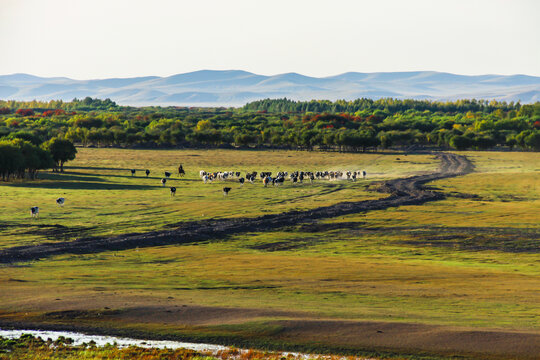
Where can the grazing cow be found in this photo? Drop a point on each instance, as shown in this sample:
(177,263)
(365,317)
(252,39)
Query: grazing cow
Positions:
(147,172)
(34,211)
(241,181)
(364,174)
(181,171)
(132,172)
(163,181)
(60,201)
(226,191)
(167,174)
(173,190)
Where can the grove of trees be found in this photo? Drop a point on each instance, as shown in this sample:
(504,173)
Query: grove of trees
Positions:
(359,125)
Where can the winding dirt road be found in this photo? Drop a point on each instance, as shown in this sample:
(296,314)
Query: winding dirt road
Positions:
(405,191)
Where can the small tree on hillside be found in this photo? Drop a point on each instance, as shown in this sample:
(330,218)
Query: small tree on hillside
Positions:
(61,150)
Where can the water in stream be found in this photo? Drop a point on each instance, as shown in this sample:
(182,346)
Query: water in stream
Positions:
(101,340)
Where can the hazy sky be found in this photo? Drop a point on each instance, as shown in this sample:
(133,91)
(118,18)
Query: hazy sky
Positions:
(122,38)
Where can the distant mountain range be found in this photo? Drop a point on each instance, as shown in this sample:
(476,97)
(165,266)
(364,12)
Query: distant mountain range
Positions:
(235,87)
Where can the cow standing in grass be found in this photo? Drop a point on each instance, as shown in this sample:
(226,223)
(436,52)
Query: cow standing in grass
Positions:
(132,172)
(173,191)
(34,211)
(147,172)
(163,181)
(181,171)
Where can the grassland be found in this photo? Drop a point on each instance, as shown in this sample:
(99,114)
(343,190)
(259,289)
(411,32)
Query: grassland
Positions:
(104,199)
(466,264)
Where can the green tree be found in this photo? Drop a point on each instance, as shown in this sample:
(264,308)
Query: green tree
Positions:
(460,142)
(61,151)
(533,141)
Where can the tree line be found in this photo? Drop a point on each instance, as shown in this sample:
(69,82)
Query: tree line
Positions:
(387,104)
(369,125)
(21,159)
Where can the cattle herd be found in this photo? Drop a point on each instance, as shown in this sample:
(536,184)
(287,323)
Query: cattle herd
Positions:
(281,176)
(296,177)
(266,177)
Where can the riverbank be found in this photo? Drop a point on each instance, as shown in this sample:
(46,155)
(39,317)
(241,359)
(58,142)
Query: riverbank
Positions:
(344,338)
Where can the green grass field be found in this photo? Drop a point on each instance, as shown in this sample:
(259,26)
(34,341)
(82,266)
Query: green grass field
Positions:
(469,261)
(102,197)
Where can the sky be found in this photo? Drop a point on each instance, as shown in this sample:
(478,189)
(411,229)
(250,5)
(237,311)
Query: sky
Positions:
(127,38)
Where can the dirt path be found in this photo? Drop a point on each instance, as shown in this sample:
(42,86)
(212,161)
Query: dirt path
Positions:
(406,191)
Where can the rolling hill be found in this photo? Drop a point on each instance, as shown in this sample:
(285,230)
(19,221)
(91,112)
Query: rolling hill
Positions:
(235,87)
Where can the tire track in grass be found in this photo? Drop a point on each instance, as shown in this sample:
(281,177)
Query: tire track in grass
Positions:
(404,191)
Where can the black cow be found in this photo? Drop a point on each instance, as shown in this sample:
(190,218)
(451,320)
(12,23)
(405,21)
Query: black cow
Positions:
(167,174)
(147,172)
(173,190)
(34,210)
(226,191)
(132,172)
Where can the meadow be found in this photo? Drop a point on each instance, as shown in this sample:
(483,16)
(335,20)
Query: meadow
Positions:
(380,282)
(102,198)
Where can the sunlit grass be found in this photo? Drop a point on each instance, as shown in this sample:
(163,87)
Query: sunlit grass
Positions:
(102,198)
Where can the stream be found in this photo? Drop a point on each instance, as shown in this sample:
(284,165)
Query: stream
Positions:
(101,340)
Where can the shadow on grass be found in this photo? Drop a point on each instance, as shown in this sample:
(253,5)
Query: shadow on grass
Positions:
(83,185)
(70,177)
(98,168)
(128,175)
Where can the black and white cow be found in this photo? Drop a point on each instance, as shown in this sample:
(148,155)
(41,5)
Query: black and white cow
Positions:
(60,201)
(226,191)
(34,211)
(163,181)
